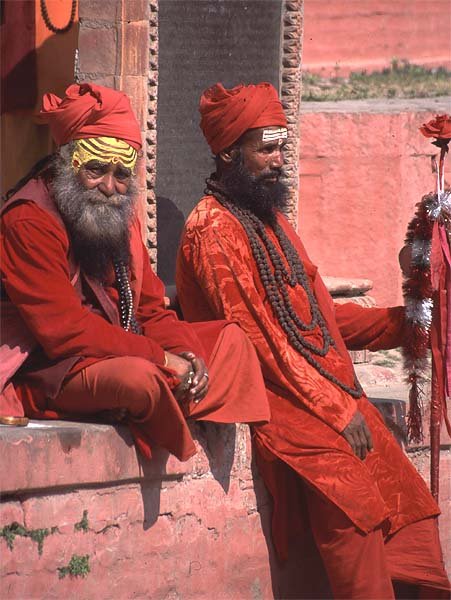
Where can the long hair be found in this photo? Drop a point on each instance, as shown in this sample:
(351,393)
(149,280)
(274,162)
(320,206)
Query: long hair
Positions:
(42,168)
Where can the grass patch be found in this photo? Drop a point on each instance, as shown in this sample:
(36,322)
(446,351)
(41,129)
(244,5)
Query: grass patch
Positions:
(82,525)
(9,532)
(400,80)
(384,362)
(78,567)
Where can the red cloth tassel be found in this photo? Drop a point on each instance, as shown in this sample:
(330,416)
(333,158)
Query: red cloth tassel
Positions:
(414,418)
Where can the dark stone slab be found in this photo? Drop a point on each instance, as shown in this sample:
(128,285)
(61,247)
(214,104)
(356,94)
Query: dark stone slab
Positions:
(202,42)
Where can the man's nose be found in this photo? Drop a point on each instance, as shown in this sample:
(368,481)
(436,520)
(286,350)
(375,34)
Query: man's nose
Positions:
(106,186)
(277,159)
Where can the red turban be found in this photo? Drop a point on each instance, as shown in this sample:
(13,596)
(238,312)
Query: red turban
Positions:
(90,110)
(228,113)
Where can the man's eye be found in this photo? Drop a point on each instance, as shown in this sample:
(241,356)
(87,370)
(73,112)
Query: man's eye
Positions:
(95,171)
(122,175)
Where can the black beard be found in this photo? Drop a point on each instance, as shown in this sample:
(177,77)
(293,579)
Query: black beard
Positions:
(251,192)
(98,227)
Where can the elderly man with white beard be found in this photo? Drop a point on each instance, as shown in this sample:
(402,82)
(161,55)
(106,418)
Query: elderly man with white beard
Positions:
(76,271)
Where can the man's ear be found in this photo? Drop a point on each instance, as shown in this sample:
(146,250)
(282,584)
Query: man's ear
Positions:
(229,154)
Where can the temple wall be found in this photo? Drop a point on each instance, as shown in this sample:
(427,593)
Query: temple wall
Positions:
(363,164)
(352,35)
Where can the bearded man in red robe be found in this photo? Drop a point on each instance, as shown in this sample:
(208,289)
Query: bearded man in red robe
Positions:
(326,456)
(78,287)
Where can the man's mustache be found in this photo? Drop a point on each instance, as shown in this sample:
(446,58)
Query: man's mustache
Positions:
(275,172)
(96,197)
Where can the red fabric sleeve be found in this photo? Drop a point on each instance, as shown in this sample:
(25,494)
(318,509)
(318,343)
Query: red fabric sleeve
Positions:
(35,275)
(215,257)
(370,328)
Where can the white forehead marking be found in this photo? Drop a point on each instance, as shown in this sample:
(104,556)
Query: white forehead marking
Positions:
(271,135)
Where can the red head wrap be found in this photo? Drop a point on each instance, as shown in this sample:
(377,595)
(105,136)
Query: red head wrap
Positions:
(90,110)
(228,113)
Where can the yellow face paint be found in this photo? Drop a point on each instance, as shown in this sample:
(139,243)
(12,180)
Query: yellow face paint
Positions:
(103,149)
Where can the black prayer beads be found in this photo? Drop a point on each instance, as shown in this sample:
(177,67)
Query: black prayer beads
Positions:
(275,277)
(126,310)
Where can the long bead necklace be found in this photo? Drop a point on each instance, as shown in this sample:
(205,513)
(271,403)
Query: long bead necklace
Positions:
(275,277)
(126,309)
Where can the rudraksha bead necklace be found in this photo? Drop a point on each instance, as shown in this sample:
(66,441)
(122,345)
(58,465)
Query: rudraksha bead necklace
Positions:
(53,28)
(275,277)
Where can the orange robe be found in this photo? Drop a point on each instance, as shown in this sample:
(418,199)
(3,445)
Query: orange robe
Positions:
(76,325)
(217,278)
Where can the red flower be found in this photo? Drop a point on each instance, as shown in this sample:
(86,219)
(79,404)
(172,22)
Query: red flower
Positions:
(439,128)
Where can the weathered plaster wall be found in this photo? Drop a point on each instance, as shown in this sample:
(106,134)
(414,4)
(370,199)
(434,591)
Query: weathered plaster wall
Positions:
(363,167)
(160,530)
(349,35)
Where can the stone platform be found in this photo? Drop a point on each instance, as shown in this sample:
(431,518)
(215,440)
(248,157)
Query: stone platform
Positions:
(83,517)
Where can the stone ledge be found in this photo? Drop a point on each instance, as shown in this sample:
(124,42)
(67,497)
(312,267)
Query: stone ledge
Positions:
(345,286)
(158,529)
(58,454)
(379,105)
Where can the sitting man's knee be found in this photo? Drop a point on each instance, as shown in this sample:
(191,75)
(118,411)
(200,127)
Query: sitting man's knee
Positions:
(135,382)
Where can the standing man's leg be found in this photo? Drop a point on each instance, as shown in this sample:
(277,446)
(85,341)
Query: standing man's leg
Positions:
(415,557)
(355,562)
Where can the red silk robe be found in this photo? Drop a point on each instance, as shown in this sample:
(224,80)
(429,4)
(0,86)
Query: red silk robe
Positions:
(217,278)
(77,324)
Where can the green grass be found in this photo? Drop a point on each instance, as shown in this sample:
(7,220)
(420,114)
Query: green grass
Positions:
(400,80)
(9,533)
(78,567)
(82,525)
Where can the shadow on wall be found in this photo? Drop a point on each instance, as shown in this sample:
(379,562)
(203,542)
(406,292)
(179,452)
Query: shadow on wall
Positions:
(170,221)
(218,443)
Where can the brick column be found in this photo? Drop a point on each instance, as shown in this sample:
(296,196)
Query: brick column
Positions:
(290,77)
(113,50)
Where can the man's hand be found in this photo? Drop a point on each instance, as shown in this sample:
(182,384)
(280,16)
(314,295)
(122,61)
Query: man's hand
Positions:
(179,365)
(199,385)
(358,436)
(192,373)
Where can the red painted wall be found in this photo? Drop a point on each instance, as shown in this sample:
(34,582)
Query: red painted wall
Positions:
(368,34)
(363,167)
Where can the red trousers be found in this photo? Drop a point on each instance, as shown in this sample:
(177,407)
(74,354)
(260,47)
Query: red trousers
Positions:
(367,566)
(236,394)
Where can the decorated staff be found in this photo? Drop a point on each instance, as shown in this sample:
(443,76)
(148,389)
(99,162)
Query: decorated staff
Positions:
(426,263)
